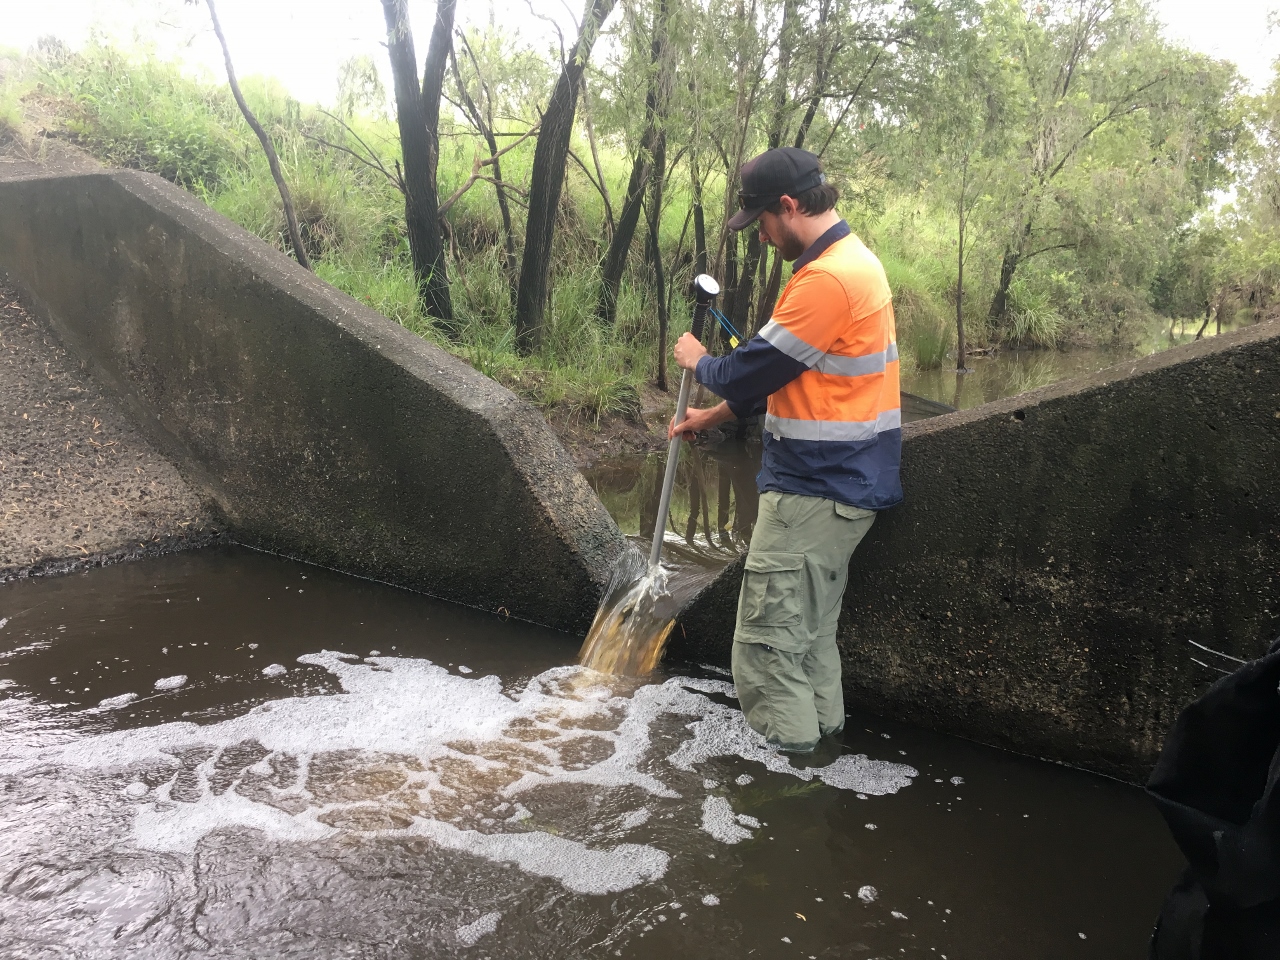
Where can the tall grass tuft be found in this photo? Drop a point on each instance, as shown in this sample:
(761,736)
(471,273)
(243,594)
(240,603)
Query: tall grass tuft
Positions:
(1033,319)
(925,331)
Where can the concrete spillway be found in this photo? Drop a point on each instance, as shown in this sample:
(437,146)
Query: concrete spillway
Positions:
(319,429)
(1059,556)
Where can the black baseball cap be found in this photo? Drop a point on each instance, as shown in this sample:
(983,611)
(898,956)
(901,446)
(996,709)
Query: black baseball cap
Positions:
(775,173)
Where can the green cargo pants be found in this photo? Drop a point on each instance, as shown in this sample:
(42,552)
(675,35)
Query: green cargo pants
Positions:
(785,662)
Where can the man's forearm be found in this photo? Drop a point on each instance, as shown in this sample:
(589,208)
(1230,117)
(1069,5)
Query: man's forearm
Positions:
(697,420)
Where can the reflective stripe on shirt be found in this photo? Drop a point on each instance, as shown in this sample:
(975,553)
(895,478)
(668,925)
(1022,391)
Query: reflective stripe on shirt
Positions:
(832,363)
(846,431)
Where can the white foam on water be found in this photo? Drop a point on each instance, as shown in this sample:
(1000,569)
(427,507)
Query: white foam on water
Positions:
(170,827)
(743,779)
(115,703)
(275,670)
(719,821)
(575,866)
(421,728)
(711,900)
(172,683)
(462,669)
(3,621)
(469,934)
(957,781)
(723,733)
(636,818)
(868,894)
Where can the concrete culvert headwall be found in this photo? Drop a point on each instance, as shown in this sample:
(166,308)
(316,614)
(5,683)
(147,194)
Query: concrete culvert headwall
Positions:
(1063,557)
(320,429)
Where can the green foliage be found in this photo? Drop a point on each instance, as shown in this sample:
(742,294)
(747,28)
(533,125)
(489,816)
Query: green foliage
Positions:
(1071,139)
(1033,319)
(144,113)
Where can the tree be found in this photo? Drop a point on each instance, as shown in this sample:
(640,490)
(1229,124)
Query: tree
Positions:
(417,116)
(547,180)
(643,167)
(273,161)
(964,120)
(483,122)
(1087,69)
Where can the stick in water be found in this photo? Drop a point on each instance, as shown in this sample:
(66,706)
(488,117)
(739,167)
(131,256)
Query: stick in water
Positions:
(637,613)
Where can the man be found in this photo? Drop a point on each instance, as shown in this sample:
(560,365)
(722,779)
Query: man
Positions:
(825,367)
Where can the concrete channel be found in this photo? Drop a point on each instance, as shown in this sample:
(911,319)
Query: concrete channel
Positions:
(1065,566)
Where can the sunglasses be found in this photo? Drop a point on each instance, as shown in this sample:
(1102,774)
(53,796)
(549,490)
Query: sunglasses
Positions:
(746,200)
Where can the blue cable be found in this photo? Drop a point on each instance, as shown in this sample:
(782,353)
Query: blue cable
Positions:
(728,327)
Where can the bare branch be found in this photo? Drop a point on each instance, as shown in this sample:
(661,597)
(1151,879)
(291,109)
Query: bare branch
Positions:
(373,161)
(476,175)
(1114,114)
(554,25)
(375,166)
(273,161)
(595,183)
(595,156)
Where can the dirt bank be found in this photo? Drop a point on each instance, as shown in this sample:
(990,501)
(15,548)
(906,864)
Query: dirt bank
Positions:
(79,486)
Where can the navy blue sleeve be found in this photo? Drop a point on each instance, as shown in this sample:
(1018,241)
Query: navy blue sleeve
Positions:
(745,377)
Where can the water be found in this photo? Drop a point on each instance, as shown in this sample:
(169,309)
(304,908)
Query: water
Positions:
(352,770)
(635,617)
(1008,373)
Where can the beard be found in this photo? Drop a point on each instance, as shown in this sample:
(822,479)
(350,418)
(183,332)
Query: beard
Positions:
(787,243)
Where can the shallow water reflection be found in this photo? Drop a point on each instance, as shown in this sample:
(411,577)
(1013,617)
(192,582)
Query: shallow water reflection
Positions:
(351,770)
(1009,372)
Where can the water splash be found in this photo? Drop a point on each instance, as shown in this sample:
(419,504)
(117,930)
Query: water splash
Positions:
(633,623)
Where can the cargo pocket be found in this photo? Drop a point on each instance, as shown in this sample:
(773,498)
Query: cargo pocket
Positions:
(773,589)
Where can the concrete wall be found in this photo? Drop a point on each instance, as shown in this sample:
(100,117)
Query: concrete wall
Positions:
(322,430)
(1060,553)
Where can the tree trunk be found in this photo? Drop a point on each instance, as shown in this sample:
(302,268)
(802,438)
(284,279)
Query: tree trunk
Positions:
(699,222)
(781,91)
(615,258)
(746,284)
(1000,302)
(659,277)
(642,170)
(781,95)
(730,287)
(1208,312)
(960,344)
(821,68)
(273,161)
(770,299)
(547,180)
(417,112)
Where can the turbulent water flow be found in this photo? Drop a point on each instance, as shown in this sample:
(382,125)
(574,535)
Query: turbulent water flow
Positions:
(408,754)
(229,755)
(635,618)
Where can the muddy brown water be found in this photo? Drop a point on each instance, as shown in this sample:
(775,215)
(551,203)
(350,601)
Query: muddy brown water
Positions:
(351,770)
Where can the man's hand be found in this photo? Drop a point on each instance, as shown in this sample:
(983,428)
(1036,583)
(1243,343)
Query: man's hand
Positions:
(689,351)
(696,420)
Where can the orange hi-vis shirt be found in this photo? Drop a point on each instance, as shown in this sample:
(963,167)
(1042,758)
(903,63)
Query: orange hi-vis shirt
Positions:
(827,361)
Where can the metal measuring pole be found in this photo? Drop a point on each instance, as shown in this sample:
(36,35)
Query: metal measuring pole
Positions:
(705,289)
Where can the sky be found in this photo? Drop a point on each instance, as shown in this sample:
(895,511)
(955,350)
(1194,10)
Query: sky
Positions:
(302,42)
